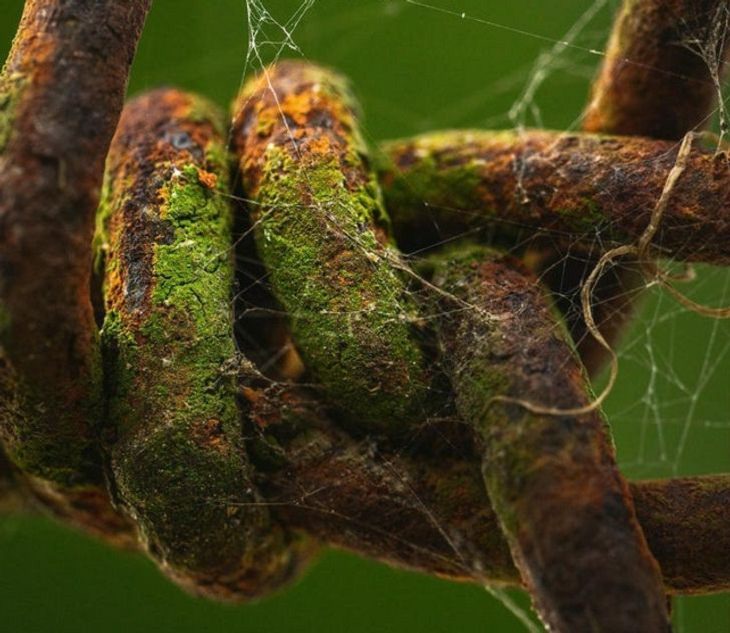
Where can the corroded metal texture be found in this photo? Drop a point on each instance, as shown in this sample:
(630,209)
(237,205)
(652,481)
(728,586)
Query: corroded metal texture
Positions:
(552,479)
(653,82)
(430,513)
(321,230)
(560,187)
(174,436)
(657,76)
(61,92)
(685,522)
(563,199)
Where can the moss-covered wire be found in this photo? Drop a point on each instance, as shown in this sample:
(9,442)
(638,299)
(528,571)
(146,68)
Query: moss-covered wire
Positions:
(660,78)
(561,188)
(553,482)
(322,232)
(382,503)
(69,59)
(564,198)
(174,433)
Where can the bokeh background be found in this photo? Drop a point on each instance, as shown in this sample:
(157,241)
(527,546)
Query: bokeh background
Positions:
(415,68)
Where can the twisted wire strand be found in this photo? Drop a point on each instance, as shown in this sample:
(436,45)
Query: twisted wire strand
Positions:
(179,459)
(323,234)
(61,91)
(675,98)
(339,491)
(312,219)
(552,478)
(176,449)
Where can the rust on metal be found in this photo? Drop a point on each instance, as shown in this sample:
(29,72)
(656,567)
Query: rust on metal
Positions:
(553,481)
(173,429)
(388,505)
(660,78)
(561,187)
(321,230)
(61,91)
(657,76)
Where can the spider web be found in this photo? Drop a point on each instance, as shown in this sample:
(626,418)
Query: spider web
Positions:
(668,409)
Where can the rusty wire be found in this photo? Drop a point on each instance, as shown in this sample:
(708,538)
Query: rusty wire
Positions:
(166,437)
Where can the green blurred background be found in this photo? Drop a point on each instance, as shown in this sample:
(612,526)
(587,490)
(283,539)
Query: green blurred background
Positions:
(414,68)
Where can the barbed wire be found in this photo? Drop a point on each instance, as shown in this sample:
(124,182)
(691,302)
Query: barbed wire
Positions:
(137,438)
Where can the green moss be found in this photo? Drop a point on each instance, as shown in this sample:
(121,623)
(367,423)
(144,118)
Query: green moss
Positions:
(482,383)
(202,110)
(179,459)
(349,313)
(585,217)
(11,87)
(476,378)
(183,345)
(446,265)
(320,224)
(60,454)
(454,188)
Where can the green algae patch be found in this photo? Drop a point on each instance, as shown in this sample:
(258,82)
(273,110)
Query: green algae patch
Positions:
(438,190)
(348,312)
(585,217)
